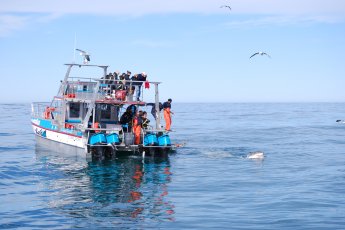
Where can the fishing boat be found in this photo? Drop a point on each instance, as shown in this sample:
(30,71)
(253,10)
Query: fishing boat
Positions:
(86,115)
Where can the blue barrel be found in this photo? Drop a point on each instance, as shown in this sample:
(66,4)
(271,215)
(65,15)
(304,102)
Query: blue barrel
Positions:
(150,139)
(113,138)
(164,140)
(98,138)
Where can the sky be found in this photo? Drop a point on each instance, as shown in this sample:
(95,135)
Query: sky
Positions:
(198,50)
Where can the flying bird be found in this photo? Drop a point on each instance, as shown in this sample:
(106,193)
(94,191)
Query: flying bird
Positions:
(261,53)
(226,7)
(85,55)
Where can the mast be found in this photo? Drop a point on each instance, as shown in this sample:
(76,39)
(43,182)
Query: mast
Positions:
(63,83)
(92,105)
(158,120)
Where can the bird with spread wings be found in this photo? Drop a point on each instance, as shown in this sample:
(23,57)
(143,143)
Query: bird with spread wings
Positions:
(226,6)
(85,55)
(260,53)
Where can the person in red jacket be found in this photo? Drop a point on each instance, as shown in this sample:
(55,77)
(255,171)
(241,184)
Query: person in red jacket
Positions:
(167,114)
(137,121)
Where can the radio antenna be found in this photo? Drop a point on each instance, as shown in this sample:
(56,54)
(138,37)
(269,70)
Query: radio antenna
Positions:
(75,46)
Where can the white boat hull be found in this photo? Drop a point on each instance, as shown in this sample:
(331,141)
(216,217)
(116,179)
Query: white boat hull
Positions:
(59,137)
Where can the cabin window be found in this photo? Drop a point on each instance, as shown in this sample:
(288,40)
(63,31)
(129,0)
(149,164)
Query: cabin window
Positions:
(74,110)
(105,112)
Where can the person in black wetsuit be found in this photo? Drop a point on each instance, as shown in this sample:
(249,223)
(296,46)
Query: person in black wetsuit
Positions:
(142,78)
(127,117)
(145,122)
(153,110)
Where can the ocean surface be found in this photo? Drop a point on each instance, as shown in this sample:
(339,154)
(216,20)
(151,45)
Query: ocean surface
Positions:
(207,184)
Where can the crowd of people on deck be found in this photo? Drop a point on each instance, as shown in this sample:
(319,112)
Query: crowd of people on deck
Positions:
(127,82)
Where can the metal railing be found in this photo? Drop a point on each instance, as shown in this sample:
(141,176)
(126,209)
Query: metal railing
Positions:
(85,90)
(38,109)
(46,110)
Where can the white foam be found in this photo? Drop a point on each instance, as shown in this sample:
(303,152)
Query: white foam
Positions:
(256,155)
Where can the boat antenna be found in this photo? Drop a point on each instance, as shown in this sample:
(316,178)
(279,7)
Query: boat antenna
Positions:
(75,46)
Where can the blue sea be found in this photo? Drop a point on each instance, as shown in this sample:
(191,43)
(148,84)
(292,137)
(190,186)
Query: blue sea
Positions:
(207,184)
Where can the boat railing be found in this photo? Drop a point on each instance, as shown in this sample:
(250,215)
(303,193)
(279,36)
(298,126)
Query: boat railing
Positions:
(121,133)
(47,111)
(84,90)
(38,109)
(120,90)
(44,111)
(112,130)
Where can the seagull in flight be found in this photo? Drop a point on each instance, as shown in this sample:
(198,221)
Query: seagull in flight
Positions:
(85,55)
(261,53)
(226,7)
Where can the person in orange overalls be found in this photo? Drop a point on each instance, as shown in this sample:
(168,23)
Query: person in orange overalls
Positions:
(167,114)
(137,121)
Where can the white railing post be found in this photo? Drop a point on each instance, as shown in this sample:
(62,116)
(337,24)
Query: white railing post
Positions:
(158,119)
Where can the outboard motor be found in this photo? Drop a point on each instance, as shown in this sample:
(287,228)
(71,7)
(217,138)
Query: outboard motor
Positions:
(95,141)
(150,139)
(164,140)
(113,138)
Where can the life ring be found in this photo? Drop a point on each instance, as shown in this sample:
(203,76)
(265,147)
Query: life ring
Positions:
(48,111)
